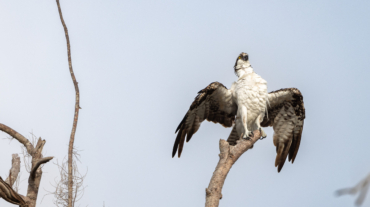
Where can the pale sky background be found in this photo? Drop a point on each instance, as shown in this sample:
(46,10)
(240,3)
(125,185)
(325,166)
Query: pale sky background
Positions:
(140,64)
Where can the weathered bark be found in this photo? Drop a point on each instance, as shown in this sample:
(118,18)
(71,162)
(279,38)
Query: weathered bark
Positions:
(27,144)
(6,190)
(14,171)
(228,156)
(37,165)
(75,118)
(9,195)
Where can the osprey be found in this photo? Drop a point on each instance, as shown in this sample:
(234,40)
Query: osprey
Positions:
(247,107)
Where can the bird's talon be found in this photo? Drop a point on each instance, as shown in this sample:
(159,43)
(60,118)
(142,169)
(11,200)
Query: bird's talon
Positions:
(248,135)
(263,134)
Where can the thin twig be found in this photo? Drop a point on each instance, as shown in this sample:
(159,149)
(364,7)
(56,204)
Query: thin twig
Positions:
(61,185)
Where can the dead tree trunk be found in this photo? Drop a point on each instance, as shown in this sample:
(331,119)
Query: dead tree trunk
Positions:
(6,190)
(228,156)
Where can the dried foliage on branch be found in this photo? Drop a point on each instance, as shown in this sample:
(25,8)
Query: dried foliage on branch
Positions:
(228,156)
(61,185)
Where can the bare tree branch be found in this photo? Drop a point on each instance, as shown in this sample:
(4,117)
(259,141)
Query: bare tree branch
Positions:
(8,194)
(27,158)
(27,144)
(14,171)
(6,190)
(37,165)
(77,107)
(228,156)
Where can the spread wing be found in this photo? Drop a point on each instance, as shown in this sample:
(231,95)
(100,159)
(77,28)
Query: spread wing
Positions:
(214,103)
(286,114)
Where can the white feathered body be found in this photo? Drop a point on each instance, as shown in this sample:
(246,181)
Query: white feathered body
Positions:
(250,94)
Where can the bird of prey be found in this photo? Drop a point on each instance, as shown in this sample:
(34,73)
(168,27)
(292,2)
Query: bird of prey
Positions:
(246,107)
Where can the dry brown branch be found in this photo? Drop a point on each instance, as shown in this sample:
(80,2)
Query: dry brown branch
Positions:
(228,156)
(35,151)
(77,107)
(27,144)
(14,171)
(27,158)
(16,183)
(7,192)
(37,165)
(9,195)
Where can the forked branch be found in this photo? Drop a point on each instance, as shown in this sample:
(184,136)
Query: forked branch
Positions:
(228,156)
(37,165)
(6,190)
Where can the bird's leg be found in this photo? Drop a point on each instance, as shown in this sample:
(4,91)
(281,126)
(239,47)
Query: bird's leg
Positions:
(258,123)
(243,115)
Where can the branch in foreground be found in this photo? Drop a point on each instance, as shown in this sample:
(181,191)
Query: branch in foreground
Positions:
(9,195)
(228,156)
(6,190)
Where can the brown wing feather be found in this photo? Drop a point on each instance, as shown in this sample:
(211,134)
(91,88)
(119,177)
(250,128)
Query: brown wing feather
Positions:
(296,141)
(286,114)
(213,103)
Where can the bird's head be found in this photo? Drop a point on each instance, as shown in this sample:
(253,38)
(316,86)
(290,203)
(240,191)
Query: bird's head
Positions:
(242,62)
(243,56)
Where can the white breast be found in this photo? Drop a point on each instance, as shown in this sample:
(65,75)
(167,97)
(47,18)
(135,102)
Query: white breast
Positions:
(251,91)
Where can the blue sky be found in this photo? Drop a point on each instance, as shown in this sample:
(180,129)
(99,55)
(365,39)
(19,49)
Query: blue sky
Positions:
(139,65)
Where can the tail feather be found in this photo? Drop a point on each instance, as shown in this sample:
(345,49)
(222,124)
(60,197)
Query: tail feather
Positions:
(282,154)
(181,144)
(233,137)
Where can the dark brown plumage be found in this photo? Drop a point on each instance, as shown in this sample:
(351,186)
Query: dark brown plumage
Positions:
(285,113)
(212,103)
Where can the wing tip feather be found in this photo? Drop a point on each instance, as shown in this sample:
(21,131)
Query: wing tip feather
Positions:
(188,127)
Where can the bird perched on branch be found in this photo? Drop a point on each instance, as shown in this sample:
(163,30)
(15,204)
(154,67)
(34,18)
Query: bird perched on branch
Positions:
(246,107)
